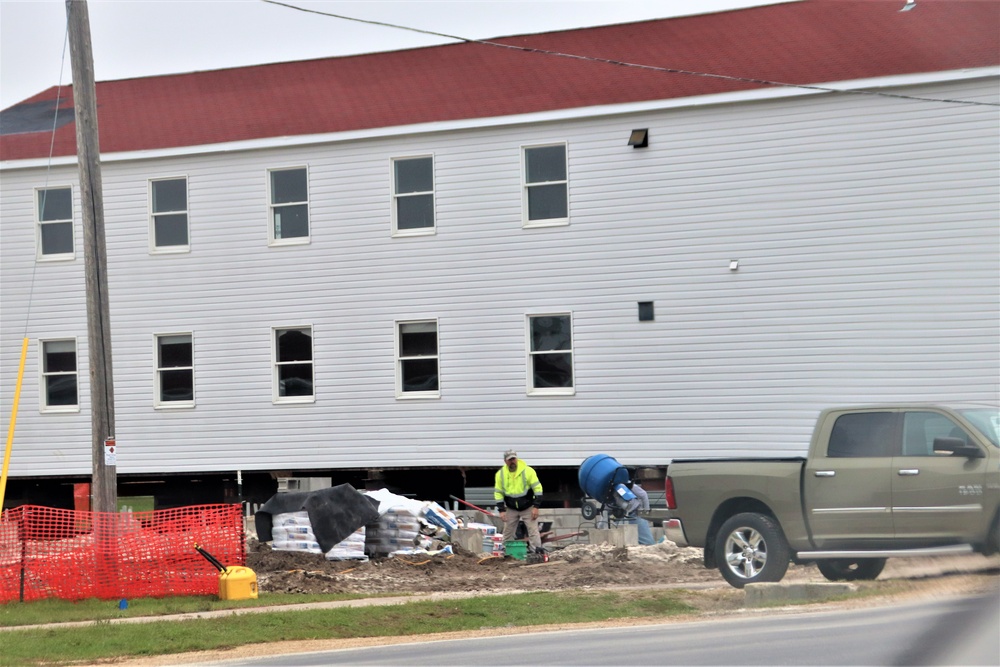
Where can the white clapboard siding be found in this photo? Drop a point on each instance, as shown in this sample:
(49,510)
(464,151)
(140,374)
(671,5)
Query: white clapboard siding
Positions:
(866,231)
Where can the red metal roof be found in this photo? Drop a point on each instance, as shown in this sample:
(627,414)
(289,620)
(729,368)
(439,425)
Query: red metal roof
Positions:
(802,43)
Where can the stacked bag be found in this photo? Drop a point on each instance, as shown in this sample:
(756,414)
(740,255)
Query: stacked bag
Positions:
(292,531)
(408,526)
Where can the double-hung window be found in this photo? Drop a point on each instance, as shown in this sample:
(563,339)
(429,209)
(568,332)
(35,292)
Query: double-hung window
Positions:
(412,196)
(293,365)
(168,217)
(289,206)
(54,207)
(550,354)
(59,376)
(545,199)
(174,370)
(417,374)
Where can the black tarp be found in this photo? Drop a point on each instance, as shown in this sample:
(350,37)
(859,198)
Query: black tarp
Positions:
(334,513)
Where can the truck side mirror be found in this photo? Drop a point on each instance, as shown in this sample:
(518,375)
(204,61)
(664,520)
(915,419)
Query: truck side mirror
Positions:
(957,447)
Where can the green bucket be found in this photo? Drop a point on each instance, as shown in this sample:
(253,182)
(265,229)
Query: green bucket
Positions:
(517,549)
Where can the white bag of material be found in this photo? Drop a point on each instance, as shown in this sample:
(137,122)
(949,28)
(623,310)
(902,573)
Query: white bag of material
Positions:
(351,547)
(292,519)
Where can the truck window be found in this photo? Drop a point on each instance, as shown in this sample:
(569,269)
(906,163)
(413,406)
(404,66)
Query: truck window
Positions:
(920,429)
(862,434)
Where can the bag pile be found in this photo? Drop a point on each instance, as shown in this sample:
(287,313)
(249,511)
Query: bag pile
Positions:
(292,531)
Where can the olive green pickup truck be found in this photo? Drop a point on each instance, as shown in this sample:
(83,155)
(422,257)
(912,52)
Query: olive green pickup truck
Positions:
(879,482)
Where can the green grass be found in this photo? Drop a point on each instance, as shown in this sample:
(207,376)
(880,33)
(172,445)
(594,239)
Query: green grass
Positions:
(63,611)
(56,646)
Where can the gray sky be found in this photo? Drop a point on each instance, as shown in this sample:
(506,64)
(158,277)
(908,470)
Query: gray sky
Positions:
(133,38)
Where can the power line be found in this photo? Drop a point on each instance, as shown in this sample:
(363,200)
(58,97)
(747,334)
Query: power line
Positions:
(621,63)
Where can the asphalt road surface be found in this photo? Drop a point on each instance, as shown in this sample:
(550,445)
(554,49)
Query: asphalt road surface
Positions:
(948,631)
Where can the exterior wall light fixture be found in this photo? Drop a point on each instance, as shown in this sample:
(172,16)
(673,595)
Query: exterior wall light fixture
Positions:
(734,265)
(639,138)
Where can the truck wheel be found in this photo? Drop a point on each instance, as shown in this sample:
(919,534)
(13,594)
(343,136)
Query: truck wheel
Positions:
(844,569)
(750,548)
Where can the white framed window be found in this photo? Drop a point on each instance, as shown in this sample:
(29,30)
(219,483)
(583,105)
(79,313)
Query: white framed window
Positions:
(417,370)
(59,376)
(168,215)
(413,196)
(174,370)
(292,355)
(54,215)
(545,201)
(550,354)
(288,196)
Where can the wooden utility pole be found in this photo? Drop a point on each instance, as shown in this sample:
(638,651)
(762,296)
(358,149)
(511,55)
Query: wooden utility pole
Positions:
(104,486)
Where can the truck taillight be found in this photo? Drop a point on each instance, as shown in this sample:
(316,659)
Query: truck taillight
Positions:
(671,500)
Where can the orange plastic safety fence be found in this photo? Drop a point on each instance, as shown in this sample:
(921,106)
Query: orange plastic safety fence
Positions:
(56,553)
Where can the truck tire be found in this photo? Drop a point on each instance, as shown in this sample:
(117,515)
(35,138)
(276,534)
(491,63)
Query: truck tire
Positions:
(845,569)
(750,548)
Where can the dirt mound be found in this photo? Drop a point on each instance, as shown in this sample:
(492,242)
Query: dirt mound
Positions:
(575,566)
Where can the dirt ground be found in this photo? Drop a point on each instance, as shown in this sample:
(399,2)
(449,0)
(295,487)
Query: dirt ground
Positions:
(573,566)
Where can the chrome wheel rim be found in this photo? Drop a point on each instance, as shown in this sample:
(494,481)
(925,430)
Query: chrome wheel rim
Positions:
(746,553)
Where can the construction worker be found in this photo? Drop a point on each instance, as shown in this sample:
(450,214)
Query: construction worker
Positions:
(519,495)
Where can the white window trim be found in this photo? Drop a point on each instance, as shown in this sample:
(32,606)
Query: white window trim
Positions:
(158,403)
(43,407)
(172,249)
(61,257)
(291,400)
(393,196)
(410,395)
(548,391)
(549,222)
(299,240)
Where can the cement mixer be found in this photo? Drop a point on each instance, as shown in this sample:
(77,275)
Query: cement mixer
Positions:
(604,479)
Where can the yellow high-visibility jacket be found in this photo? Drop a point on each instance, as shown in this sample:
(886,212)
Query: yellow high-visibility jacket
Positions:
(519,489)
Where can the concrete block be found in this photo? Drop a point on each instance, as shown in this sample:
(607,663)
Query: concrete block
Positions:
(621,536)
(758,595)
(470,539)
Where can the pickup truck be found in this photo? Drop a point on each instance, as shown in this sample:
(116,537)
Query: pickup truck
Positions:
(878,482)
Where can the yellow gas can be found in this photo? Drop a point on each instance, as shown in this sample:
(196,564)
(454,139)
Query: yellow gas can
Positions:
(237,583)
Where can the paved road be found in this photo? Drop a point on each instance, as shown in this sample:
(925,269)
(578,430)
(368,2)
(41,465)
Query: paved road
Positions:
(952,631)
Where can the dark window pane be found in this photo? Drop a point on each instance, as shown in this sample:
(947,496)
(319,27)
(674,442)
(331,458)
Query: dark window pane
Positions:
(175,351)
(414,175)
(418,345)
(415,212)
(552,370)
(55,204)
(295,380)
(550,333)
(288,186)
(60,390)
(545,164)
(294,345)
(171,230)
(921,428)
(291,221)
(866,434)
(57,238)
(420,375)
(547,202)
(177,385)
(170,195)
(60,356)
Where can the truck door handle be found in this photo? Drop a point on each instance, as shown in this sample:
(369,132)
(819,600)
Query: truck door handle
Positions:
(825,473)
(909,472)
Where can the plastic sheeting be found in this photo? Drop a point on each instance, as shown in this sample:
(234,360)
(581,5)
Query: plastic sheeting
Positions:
(334,513)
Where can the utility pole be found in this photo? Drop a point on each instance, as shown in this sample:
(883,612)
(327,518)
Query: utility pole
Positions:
(104,486)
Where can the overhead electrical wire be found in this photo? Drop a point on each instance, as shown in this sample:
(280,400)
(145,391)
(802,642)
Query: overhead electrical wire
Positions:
(621,63)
